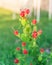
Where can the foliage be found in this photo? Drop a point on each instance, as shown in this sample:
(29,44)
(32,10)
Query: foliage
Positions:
(8,41)
(29,53)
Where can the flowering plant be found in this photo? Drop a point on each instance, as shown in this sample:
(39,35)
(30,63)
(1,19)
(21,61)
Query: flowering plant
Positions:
(29,53)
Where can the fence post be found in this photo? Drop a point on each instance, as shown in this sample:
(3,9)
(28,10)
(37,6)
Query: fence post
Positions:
(35,6)
(38,10)
(50,9)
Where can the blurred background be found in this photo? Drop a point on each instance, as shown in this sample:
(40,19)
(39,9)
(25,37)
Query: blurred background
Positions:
(9,10)
(16,5)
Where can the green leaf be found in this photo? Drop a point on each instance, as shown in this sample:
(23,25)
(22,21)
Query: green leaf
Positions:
(23,22)
(35,28)
(34,44)
(23,37)
(40,58)
(27,29)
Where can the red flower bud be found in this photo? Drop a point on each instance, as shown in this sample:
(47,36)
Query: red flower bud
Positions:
(25,51)
(41,50)
(16,61)
(27,11)
(23,44)
(40,32)
(34,34)
(22,14)
(31,64)
(18,48)
(16,32)
(34,21)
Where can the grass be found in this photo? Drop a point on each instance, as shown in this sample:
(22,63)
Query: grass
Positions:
(5,11)
(8,42)
(46,25)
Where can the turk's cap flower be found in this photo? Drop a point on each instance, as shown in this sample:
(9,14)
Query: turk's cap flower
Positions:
(16,61)
(22,13)
(41,50)
(25,51)
(18,48)
(39,32)
(23,44)
(34,21)
(34,34)
(27,11)
(15,32)
(31,64)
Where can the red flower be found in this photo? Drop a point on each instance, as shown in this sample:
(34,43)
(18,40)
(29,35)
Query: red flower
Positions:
(23,44)
(25,51)
(34,21)
(16,61)
(40,32)
(16,32)
(34,34)
(27,11)
(42,50)
(31,64)
(18,48)
(22,14)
